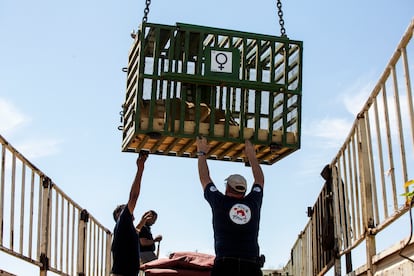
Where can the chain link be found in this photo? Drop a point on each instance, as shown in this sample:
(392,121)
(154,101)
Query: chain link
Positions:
(146,10)
(281,21)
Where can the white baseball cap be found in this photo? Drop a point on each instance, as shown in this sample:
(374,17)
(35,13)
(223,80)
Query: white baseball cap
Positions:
(237,182)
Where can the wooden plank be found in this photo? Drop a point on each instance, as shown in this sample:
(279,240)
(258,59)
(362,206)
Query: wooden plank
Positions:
(172,144)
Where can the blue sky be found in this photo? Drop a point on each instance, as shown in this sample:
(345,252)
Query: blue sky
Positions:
(62,87)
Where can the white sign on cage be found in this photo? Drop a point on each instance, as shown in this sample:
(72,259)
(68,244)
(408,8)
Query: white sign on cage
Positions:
(221,61)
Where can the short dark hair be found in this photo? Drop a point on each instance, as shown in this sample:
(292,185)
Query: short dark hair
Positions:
(118,211)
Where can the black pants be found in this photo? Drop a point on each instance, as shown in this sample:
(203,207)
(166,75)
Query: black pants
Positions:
(228,266)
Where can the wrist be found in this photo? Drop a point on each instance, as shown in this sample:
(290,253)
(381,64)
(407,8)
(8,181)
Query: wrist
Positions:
(201,153)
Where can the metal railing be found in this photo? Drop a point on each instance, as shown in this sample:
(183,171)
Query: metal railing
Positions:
(42,225)
(367,174)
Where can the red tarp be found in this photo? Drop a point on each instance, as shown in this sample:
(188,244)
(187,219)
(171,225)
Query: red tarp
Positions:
(180,264)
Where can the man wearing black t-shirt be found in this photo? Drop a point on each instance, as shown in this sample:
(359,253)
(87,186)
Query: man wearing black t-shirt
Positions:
(125,243)
(236,216)
(146,240)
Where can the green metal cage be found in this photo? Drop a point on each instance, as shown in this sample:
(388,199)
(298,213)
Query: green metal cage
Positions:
(186,80)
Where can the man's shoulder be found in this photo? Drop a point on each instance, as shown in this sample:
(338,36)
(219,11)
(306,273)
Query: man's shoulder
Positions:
(255,193)
(211,193)
(210,187)
(145,228)
(257,188)
(125,214)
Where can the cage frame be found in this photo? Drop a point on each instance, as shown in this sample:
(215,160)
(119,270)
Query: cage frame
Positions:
(169,68)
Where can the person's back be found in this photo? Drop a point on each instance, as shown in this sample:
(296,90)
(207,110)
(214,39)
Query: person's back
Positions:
(236,217)
(125,246)
(235,223)
(125,243)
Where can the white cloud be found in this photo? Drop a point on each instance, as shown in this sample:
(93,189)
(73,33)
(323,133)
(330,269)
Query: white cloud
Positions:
(12,120)
(10,117)
(331,132)
(356,96)
(39,148)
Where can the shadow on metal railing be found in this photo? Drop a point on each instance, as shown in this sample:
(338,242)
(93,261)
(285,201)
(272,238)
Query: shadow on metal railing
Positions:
(43,226)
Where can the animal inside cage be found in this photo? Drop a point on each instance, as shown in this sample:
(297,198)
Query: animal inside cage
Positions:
(186,80)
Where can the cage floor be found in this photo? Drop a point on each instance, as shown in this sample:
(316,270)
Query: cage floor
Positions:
(158,141)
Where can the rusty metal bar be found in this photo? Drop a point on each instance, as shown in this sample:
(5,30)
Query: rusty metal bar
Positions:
(408,89)
(2,181)
(12,201)
(30,242)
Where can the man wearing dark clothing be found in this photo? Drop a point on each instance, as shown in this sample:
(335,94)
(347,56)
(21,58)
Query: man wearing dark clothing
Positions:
(236,216)
(146,240)
(125,244)
(146,234)
(236,222)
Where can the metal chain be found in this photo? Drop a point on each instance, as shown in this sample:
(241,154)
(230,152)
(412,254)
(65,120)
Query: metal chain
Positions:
(281,21)
(146,10)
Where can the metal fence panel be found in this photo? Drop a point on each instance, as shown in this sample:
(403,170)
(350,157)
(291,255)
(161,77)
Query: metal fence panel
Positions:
(44,226)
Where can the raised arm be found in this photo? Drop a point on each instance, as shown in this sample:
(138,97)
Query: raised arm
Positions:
(145,217)
(254,163)
(136,185)
(203,171)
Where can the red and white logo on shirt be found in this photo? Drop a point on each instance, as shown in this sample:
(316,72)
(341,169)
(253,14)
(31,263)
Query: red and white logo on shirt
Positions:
(240,213)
